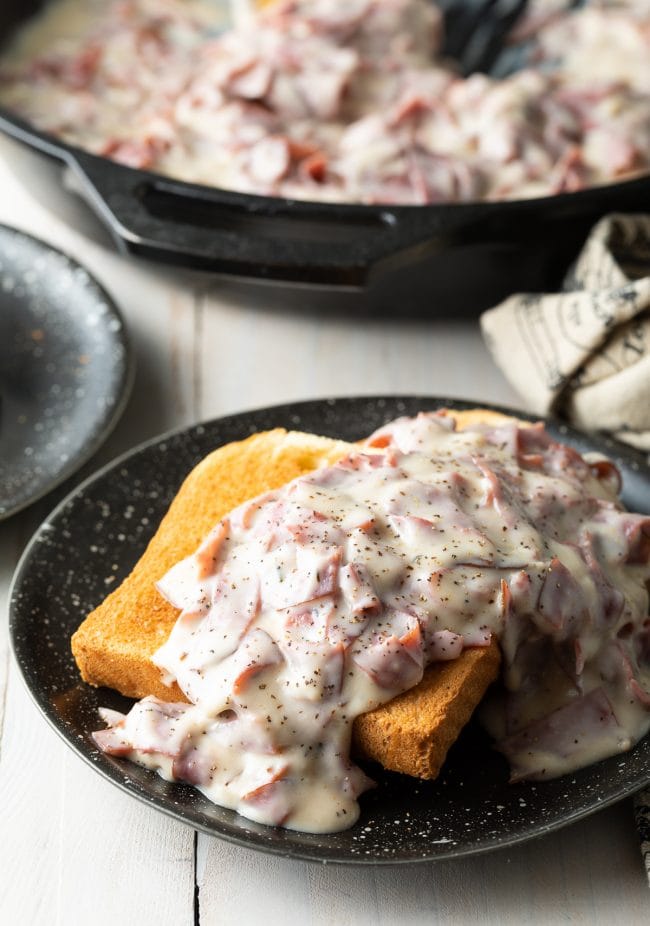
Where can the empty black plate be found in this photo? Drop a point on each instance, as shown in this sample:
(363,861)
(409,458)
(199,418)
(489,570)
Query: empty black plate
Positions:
(92,540)
(64,368)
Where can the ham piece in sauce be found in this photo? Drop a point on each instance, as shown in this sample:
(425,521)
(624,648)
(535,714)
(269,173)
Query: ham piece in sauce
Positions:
(316,602)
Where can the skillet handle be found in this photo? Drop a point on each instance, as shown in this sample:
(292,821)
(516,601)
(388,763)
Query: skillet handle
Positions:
(252,236)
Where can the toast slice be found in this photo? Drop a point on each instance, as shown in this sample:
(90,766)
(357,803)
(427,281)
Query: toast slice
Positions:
(114,645)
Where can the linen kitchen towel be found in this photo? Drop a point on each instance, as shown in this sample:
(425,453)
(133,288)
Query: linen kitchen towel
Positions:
(584,353)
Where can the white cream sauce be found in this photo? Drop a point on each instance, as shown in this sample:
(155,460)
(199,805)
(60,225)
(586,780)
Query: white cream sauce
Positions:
(317,602)
(333,100)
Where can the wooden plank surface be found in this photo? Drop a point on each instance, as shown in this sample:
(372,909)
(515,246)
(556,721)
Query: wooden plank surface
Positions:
(74,848)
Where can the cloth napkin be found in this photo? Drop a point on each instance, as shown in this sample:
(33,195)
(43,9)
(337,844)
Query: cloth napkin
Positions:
(584,353)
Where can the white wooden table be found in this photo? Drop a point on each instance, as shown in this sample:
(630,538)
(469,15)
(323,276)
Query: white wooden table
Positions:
(74,849)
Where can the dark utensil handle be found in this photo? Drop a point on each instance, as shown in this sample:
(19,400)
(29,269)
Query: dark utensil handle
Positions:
(251,236)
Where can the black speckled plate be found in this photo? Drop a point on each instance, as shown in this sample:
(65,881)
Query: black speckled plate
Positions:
(65,371)
(90,543)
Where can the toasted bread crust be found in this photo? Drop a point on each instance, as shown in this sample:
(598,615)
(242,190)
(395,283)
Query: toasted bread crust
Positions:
(114,645)
(413,732)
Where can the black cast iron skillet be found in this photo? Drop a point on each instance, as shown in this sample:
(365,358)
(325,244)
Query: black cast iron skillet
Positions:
(474,253)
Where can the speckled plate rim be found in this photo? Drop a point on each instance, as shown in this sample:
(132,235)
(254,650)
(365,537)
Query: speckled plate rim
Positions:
(633,459)
(105,422)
